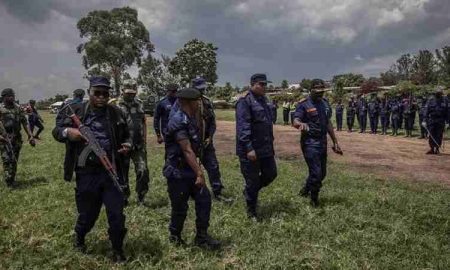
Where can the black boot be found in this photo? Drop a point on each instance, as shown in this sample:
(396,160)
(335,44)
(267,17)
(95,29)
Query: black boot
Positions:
(304,192)
(118,256)
(251,212)
(176,239)
(202,239)
(315,199)
(79,243)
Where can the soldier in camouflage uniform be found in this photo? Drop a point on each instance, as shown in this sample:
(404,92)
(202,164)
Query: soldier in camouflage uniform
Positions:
(12,118)
(133,107)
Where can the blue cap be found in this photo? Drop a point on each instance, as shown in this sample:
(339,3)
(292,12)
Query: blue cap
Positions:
(199,83)
(259,77)
(189,94)
(99,81)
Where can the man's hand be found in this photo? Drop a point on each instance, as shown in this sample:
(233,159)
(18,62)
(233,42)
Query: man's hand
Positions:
(207,142)
(125,149)
(337,149)
(74,135)
(424,124)
(200,181)
(32,142)
(160,139)
(300,126)
(252,156)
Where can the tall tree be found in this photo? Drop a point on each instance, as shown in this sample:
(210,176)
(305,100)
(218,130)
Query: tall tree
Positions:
(306,84)
(424,68)
(154,75)
(443,61)
(390,77)
(370,85)
(284,84)
(349,79)
(114,41)
(196,58)
(403,66)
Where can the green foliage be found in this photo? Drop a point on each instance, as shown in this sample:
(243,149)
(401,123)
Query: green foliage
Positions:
(349,80)
(43,104)
(306,84)
(154,75)
(338,90)
(403,66)
(389,78)
(115,40)
(424,68)
(284,84)
(196,58)
(443,62)
(225,92)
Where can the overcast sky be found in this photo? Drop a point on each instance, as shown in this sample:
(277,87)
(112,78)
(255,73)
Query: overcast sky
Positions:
(287,39)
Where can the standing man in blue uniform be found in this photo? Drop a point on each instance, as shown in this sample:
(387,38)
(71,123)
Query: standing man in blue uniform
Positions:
(351,111)
(312,118)
(421,103)
(374,108)
(254,141)
(339,114)
(94,186)
(396,115)
(362,114)
(185,177)
(162,112)
(408,114)
(436,114)
(384,115)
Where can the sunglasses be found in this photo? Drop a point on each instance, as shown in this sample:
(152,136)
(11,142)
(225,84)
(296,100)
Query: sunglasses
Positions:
(101,93)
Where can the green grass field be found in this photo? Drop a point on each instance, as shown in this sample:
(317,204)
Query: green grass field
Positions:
(364,223)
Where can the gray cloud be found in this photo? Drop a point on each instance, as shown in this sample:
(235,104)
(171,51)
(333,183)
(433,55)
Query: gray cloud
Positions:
(287,39)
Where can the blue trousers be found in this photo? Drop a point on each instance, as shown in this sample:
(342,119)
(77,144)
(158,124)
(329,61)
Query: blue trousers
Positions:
(395,124)
(409,122)
(93,190)
(181,188)
(339,121)
(374,123)
(350,122)
(362,122)
(437,131)
(316,159)
(384,119)
(257,175)
(35,123)
(212,168)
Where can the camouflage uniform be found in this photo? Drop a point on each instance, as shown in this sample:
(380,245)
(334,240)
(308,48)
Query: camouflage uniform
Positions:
(135,110)
(12,118)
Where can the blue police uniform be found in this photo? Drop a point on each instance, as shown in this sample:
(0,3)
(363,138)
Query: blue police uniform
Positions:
(339,114)
(395,116)
(317,114)
(436,114)
(254,131)
(362,114)
(408,115)
(384,116)
(351,110)
(161,115)
(209,158)
(373,109)
(181,178)
(421,110)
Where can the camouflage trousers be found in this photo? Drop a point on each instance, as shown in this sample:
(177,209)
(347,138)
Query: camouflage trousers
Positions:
(139,158)
(9,161)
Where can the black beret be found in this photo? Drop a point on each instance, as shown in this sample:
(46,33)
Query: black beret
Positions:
(189,93)
(172,87)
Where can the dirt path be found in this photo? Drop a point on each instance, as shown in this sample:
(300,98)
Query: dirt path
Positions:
(385,156)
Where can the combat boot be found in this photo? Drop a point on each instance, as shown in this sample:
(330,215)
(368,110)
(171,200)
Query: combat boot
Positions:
(315,199)
(79,243)
(202,239)
(176,239)
(118,256)
(251,212)
(222,198)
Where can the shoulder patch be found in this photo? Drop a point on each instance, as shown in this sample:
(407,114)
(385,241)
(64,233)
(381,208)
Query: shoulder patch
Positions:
(313,109)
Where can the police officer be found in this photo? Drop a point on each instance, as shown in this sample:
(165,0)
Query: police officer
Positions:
(254,141)
(34,119)
(93,184)
(395,115)
(286,110)
(362,114)
(274,107)
(373,108)
(184,174)
(293,105)
(312,118)
(339,114)
(12,120)
(351,111)
(162,112)
(134,108)
(384,115)
(207,127)
(422,102)
(436,113)
(408,115)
